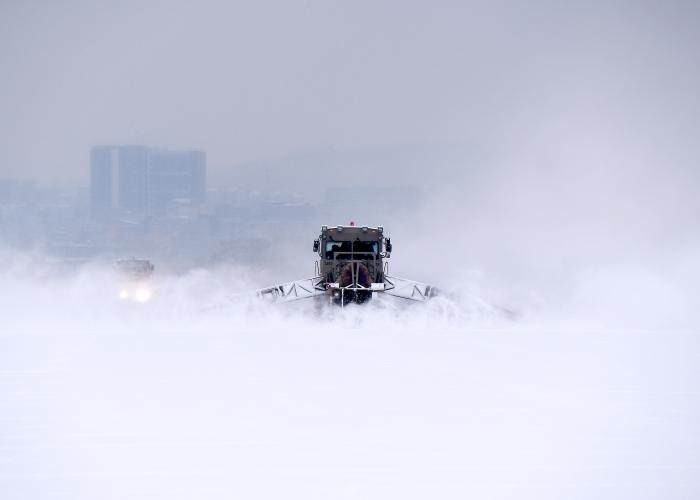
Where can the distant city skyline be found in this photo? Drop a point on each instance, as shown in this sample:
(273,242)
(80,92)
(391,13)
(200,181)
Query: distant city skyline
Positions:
(143,180)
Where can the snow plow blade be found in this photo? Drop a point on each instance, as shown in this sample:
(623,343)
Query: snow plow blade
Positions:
(408,289)
(294,290)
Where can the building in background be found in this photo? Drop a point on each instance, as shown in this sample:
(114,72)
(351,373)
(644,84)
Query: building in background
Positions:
(138,180)
(102,185)
(132,173)
(176,177)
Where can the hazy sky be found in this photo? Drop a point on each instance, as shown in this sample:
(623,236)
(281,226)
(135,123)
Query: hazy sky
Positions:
(557,147)
(258,80)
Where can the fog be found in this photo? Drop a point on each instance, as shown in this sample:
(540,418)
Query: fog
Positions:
(206,392)
(266,80)
(553,153)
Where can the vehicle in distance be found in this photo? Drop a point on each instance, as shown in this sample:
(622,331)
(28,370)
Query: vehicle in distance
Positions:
(134,279)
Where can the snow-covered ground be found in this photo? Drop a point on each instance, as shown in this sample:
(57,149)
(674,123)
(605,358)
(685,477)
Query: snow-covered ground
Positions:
(202,396)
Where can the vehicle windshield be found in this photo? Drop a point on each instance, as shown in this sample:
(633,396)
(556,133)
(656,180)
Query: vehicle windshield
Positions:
(357,250)
(134,268)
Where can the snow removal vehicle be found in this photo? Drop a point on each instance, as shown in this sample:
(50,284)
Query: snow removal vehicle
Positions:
(352,268)
(134,279)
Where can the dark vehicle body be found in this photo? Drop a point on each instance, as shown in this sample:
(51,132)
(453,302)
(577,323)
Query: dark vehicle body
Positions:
(352,261)
(352,268)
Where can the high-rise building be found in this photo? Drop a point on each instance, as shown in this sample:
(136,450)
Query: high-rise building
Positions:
(176,176)
(102,183)
(139,180)
(133,179)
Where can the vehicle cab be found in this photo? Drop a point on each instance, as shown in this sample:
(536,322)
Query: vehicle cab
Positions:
(352,260)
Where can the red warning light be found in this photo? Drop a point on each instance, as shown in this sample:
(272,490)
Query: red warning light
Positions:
(352,223)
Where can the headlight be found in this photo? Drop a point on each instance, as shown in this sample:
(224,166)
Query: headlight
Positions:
(123,294)
(143,295)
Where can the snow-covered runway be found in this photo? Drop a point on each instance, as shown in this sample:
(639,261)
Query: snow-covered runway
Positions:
(369,403)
